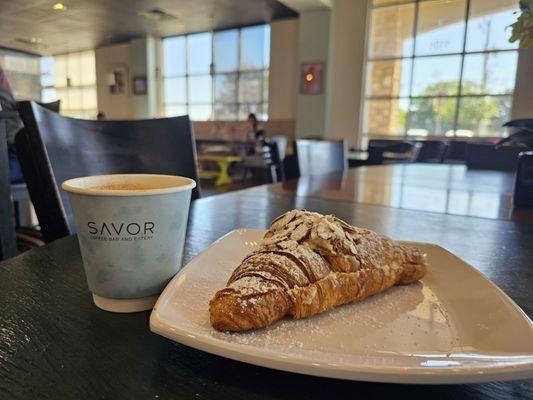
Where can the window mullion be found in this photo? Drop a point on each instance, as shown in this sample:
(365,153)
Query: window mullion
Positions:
(187,74)
(212,75)
(238,77)
(235,77)
(412,74)
(460,88)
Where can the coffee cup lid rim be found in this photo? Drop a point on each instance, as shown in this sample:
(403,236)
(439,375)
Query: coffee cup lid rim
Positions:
(181,184)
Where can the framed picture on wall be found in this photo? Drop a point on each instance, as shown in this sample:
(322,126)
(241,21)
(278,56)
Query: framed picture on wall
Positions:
(116,79)
(312,78)
(140,86)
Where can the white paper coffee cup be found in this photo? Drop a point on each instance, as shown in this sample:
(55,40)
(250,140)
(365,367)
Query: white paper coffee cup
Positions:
(132,239)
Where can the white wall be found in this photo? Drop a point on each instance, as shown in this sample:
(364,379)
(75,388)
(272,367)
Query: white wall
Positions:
(115,106)
(346,69)
(523,95)
(313,47)
(283,83)
(143,62)
(337,37)
(140,57)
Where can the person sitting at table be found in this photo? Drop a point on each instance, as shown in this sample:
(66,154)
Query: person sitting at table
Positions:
(255,134)
(13,124)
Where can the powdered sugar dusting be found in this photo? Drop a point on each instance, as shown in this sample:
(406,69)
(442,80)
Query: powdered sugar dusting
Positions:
(364,328)
(407,319)
(249,285)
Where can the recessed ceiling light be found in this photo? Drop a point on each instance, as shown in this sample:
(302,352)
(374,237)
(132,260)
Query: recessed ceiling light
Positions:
(59,7)
(30,42)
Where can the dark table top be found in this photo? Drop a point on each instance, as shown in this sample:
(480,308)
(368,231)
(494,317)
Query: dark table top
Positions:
(55,344)
(442,188)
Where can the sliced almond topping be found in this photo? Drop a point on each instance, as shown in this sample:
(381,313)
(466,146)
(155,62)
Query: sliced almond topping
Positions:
(324,231)
(345,225)
(288,244)
(300,232)
(274,238)
(283,220)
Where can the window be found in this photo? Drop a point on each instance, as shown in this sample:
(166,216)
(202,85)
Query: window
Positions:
(439,67)
(221,75)
(70,78)
(22,71)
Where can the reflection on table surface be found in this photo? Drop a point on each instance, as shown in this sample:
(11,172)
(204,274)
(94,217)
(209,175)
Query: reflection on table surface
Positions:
(442,188)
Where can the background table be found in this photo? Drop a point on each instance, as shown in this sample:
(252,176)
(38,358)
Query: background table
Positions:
(442,188)
(54,343)
(223,162)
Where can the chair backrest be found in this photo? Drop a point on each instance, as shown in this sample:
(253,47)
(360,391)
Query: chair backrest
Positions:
(270,153)
(432,151)
(399,148)
(52,148)
(272,160)
(381,151)
(52,105)
(486,156)
(282,142)
(456,151)
(317,157)
(520,123)
(290,166)
(8,243)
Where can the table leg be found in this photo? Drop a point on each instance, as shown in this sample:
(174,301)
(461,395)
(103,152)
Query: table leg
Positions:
(223,177)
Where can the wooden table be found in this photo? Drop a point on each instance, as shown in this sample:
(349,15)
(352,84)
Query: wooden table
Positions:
(55,344)
(223,162)
(442,188)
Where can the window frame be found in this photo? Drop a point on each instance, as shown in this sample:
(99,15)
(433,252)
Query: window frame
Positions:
(409,97)
(65,109)
(213,74)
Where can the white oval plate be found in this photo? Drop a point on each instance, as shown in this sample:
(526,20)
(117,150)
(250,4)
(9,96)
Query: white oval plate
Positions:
(455,326)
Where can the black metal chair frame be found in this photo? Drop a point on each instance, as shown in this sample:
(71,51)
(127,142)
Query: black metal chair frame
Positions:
(8,242)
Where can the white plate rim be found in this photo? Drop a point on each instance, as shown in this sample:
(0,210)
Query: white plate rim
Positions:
(347,371)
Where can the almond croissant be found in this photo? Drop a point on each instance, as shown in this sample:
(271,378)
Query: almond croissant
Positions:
(309,263)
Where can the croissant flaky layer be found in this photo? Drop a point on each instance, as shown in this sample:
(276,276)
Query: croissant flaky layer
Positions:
(309,263)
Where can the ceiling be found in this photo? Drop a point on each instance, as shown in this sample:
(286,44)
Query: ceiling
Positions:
(307,5)
(33,26)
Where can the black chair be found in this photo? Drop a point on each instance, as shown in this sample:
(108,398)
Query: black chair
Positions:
(53,148)
(525,123)
(487,156)
(456,152)
(19,191)
(8,242)
(281,141)
(317,157)
(522,135)
(290,165)
(432,151)
(52,106)
(267,160)
(392,152)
